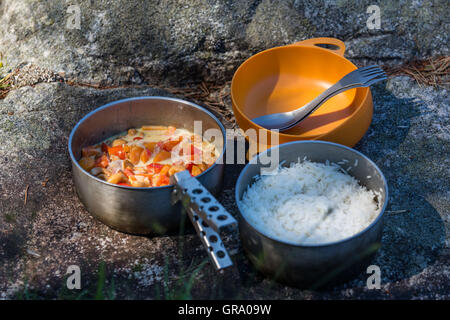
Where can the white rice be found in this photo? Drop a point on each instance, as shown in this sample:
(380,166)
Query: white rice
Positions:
(309,203)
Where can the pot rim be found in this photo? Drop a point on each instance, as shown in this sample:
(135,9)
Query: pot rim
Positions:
(313,245)
(239,109)
(110,104)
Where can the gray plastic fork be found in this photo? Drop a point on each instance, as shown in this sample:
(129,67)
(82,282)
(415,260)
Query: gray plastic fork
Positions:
(362,77)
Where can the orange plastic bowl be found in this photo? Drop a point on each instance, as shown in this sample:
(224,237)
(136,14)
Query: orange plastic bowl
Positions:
(284,78)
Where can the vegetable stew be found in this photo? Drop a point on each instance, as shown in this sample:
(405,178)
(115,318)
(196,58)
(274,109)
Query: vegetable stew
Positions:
(148,156)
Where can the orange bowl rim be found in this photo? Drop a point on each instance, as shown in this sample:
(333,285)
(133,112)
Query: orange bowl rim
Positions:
(287,135)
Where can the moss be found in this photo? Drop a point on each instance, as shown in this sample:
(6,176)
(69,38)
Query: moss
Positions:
(10,217)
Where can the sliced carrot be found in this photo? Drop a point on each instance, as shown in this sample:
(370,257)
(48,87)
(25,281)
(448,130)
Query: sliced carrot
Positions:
(124,184)
(154,128)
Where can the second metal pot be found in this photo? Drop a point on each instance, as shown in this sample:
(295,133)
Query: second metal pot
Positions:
(313,265)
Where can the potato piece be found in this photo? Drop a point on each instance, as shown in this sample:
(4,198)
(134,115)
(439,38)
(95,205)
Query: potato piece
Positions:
(162,155)
(118,177)
(176,168)
(87,163)
(140,184)
(170,130)
(132,132)
(135,154)
(196,171)
(154,128)
(118,142)
(165,170)
(126,148)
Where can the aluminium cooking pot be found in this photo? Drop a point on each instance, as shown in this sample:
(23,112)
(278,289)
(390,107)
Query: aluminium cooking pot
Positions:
(154,210)
(285,78)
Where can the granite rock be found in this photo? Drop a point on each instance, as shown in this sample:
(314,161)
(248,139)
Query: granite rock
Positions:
(44,228)
(171,41)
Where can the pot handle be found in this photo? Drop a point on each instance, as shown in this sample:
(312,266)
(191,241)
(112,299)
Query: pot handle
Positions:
(207,215)
(332,44)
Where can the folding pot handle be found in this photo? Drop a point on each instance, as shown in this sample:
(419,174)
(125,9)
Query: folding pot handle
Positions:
(332,44)
(207,215)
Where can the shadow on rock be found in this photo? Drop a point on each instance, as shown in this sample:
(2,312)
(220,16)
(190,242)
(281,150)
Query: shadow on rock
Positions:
(414,232)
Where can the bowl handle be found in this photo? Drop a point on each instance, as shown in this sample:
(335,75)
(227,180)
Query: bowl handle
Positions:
(332,44)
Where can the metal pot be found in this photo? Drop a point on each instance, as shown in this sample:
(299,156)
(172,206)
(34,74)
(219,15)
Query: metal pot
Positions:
(313,265)
(128,209)
(157,209)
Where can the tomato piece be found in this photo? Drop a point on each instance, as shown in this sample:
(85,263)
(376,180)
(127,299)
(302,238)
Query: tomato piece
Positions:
(153,168)
(128,172)
(170,144)
(193,152)
(160,180)
(189,167)
(137,138)
(124,184)
(117,151)
(102,162)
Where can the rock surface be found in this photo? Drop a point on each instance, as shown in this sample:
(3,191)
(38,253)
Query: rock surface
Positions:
(136,42)
(44,228)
